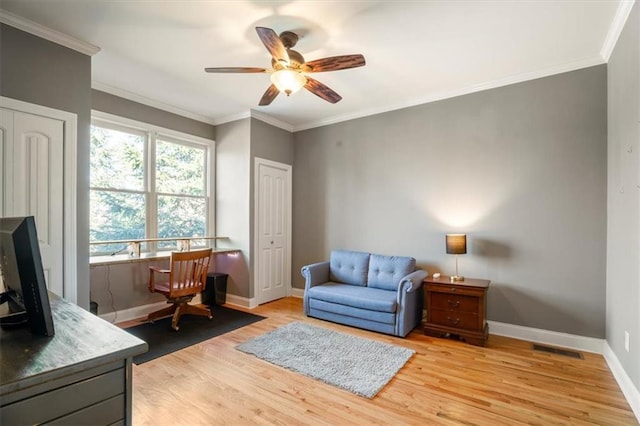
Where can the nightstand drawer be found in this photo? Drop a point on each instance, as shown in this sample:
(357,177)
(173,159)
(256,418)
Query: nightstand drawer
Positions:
(464,320)
(454,302)
(454,289)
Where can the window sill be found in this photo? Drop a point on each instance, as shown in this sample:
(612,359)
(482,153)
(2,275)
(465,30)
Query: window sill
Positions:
(144,257)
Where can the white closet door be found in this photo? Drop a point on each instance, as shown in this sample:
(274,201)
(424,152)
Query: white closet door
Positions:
(32,183)
(273,221)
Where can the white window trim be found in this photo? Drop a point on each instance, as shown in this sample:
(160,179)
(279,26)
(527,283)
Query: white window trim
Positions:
(169,135)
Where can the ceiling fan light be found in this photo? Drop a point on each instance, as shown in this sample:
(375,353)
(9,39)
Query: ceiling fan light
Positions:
(288,81)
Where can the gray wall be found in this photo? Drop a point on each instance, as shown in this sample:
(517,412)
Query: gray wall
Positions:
(116,105)
(123,286)
(623,231)
(41,72)
(521,169)
(271,143)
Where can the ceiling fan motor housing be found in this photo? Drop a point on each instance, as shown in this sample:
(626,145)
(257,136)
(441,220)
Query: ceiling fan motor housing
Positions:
(296,60)
(288,38)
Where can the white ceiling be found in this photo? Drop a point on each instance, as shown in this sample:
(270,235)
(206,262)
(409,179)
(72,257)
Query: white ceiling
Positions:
(416,51)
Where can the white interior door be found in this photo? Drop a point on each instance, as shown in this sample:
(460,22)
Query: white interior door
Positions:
(273,228)
(32,183)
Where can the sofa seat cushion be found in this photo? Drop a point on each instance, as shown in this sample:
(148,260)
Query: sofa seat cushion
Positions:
(385,272)
(349,267)
(318,307)
(373,299)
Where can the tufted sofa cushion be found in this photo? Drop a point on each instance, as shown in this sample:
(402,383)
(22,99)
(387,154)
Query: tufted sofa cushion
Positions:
(385,272)
(349,267)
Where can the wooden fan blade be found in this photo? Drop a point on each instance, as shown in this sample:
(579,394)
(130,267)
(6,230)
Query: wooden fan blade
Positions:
(235,69)
(269,95)
(335,63)
(273,44)
(319,89)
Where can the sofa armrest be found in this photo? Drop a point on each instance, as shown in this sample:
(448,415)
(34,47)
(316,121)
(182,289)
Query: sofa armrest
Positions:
(410,302)
(316,273)
(411,282)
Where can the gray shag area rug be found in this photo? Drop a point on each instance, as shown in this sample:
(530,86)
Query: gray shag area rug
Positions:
(359,365)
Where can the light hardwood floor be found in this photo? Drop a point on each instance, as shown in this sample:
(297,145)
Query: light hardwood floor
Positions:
(446,382)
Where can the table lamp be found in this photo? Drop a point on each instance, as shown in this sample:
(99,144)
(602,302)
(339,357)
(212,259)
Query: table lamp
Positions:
(456,244)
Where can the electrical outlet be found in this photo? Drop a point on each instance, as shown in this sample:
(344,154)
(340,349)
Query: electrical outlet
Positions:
(626,341)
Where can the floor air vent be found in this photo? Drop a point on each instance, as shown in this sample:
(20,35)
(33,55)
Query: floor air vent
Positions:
(557,351)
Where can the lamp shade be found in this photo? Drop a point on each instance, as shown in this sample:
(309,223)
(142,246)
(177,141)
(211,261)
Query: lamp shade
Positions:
(456,243)
(288,81)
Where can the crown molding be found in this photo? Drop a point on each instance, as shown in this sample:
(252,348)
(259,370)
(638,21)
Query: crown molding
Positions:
(271,120)
(518,78)
(258,116)
(46,33)
(150,102)
(184,113)
(233,117)
(622,14)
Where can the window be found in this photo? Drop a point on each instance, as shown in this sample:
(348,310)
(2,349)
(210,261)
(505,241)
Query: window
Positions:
(147,183)
(181,190)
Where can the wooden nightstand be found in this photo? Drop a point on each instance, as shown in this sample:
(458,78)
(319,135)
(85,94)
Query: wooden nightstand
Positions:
(457,308)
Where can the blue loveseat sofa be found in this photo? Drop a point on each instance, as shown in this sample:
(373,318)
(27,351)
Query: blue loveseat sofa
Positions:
(365,290)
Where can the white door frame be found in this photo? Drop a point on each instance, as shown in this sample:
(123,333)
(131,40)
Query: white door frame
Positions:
(256,223)
(70,158)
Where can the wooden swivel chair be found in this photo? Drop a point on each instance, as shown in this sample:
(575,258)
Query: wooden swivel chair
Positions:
(187,277)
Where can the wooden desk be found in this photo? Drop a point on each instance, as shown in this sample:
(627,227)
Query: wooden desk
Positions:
(82,375)
(457,308)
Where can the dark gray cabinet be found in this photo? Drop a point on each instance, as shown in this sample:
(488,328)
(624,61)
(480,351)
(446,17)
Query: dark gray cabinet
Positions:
(82,375)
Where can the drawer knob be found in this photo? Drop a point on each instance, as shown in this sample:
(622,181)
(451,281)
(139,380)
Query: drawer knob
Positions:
(453,289)
(453,321)
(453,304)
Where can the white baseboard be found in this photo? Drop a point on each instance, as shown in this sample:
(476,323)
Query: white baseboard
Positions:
(251,303)
(244,302)
(537,335)
(132,313)
(631,393)
(139,311)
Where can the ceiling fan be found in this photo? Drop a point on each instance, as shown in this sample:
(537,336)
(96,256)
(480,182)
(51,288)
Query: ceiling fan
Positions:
(289,69)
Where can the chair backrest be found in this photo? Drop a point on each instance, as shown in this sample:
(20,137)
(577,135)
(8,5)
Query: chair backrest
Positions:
(188,274)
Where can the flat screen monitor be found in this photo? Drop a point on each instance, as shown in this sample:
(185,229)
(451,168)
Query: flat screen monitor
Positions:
(22,276)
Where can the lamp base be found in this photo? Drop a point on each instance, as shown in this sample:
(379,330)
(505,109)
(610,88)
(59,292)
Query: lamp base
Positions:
(456,278)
